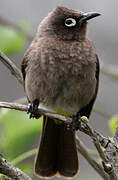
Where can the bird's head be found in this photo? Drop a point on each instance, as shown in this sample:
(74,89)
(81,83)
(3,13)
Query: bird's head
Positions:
(66,24)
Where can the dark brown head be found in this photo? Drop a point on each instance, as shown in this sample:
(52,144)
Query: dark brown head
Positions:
(66,24)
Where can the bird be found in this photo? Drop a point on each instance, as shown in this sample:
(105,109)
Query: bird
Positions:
(61,74)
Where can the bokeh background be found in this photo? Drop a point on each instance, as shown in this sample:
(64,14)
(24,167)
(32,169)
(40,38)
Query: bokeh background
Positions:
(17,133)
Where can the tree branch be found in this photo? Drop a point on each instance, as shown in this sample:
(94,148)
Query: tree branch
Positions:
(80,145)
(87,129)
(22,107)
(84,127)
(111,148)
(7,169)
(95,165)
(12,67)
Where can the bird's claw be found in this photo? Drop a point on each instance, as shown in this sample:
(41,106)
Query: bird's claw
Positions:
(33,109)
(75,124)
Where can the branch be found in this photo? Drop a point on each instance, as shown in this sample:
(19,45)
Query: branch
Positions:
(84,127)
(80,146)
(98,168)
(22,107)
(111,148)
(7,169)
(95,136)
(12,67)
(23,31)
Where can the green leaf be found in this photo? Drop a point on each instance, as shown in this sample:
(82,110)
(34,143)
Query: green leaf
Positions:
(11,41)
(20,132)
(113,122)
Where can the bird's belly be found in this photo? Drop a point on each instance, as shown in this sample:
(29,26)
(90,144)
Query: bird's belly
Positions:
(72,99)
(61,95)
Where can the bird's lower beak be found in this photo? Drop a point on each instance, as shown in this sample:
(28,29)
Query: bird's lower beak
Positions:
(87,16)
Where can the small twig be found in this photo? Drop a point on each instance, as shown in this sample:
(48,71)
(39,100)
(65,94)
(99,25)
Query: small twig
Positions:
(12,67)
(111,148)
(24,156)
(7,22)
(20,158)
(87,129)
(83,150)
(7,169)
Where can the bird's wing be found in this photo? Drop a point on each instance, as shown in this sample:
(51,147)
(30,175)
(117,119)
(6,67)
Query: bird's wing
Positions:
(86,111)
(24,64)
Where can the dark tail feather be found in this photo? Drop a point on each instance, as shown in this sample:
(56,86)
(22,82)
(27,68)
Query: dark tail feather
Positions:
(46,159)
(57,153)
(68,163)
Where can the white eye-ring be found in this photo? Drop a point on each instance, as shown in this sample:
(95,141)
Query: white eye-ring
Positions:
(69,22)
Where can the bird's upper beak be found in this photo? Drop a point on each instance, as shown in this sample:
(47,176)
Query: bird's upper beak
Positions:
(87,16)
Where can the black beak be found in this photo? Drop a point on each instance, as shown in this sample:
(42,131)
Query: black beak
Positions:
(87,16)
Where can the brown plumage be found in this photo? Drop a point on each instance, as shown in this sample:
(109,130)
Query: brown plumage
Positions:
(61,69)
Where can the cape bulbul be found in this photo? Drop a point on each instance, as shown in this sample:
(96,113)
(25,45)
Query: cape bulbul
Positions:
(61,73)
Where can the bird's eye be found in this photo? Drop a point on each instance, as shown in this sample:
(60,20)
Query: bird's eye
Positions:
(70,22)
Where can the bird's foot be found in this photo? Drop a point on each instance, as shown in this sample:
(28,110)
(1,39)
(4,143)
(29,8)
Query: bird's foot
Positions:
(75,124)
(33,109)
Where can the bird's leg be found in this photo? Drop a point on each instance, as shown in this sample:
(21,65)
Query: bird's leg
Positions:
(33,109)
(76,122)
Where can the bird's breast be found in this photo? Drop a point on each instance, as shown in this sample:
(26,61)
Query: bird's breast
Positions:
(62,77)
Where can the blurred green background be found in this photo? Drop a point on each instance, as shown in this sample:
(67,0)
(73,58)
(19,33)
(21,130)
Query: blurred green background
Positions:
(19,136)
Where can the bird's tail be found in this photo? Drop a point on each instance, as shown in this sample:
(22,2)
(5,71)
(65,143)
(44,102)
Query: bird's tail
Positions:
(57,154)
